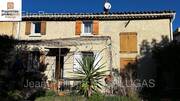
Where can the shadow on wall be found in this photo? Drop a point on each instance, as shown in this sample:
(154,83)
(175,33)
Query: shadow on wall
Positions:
(159,63)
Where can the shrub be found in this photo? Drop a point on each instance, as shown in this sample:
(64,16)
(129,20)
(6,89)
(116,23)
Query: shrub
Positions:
(15,96)
(61,98)
(91,73)
(101,97)
(50,93)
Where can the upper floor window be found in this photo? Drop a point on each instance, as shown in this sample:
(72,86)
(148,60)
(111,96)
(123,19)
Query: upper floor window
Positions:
(87,28)
(35,28)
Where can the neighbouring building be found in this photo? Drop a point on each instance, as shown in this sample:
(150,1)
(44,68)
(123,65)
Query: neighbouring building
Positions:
(177,34)
(59,39)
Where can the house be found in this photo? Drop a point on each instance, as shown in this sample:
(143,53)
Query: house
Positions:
(177,34)
(59,39)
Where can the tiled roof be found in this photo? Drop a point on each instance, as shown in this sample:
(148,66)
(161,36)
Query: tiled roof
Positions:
(100,16)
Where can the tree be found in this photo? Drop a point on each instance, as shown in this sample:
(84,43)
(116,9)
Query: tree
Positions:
(13,71)
(165,57)
(90,74)
(7,45)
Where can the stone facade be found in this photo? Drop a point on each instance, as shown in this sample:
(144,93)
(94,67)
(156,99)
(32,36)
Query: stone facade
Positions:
(146,29)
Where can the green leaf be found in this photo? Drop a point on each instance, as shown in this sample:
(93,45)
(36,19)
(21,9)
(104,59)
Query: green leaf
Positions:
(91,74)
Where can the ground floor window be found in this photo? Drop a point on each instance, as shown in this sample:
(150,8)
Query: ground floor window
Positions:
(33,61)
(80,55)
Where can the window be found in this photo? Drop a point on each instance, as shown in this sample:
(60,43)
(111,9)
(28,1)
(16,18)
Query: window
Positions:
(36,28)
(93,54)
(86,54)
(33,61)
(79,55)
(87,28)
(128,42)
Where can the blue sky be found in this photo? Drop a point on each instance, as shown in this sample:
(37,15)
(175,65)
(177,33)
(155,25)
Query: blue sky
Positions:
(71,6)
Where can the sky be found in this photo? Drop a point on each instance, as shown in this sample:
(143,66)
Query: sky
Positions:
(88,6)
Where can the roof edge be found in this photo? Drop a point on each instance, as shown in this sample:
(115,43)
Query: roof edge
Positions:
(100,16)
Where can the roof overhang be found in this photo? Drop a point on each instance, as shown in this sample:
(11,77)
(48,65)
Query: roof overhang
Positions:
(63,42)
(99,16)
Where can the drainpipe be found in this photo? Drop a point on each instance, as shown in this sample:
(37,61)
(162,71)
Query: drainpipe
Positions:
(171,27)
(17,30)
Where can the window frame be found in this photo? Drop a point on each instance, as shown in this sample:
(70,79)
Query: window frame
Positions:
(33,61)
(33,29)
(78,56)
(87,53)
(83,28)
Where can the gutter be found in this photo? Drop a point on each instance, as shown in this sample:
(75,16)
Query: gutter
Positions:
(171,26)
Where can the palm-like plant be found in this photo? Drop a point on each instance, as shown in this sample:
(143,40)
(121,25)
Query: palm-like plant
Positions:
(90,73)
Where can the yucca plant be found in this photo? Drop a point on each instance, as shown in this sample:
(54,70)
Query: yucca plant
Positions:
(90,73)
